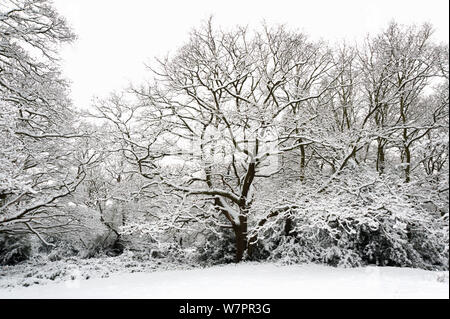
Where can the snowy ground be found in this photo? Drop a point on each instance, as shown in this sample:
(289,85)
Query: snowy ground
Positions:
(41,271)
(248,280)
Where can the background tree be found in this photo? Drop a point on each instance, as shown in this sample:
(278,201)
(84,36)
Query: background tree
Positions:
(399,67)
(36,119)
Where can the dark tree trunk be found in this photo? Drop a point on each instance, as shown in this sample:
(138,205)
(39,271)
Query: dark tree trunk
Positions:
(302,162)
(288,226)
(380,157)
(407,151)
(407,164)
(240,232)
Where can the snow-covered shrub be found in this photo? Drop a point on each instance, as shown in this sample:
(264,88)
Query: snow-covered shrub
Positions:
(14,249)
(109,245)
(360,219)
(316,245)
(218,248)
(174,253)
(192,244)
(59,249)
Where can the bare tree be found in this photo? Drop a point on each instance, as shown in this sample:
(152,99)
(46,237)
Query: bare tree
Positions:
(36,120)
(399,66)
(220,106)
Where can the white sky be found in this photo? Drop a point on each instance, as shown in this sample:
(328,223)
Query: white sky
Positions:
(116,37)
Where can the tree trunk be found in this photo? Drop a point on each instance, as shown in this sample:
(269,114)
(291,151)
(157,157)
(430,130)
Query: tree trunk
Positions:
(302,162)
(380,157)
(288,226)
(240,232)
(407,164)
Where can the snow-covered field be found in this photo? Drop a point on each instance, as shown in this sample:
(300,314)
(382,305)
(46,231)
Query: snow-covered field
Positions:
(249,280)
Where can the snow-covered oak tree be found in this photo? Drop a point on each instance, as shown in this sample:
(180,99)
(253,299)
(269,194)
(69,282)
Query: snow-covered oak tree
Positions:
(218,108)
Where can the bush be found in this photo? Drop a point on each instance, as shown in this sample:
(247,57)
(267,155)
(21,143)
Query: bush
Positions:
(61,249)
(14,249)
(103,245)
(360,222)
(219,248)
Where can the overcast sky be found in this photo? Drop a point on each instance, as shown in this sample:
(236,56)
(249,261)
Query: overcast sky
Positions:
(116,37)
